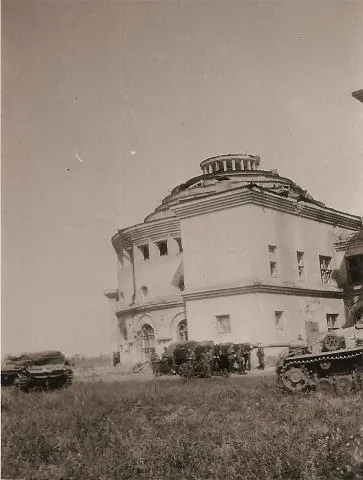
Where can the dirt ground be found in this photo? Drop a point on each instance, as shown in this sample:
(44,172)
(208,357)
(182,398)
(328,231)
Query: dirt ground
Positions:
(111,374)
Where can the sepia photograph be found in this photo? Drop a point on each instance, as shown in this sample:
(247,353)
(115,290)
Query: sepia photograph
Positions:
(182,240)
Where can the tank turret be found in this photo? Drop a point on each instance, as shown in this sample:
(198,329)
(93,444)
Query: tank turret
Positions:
(335,363)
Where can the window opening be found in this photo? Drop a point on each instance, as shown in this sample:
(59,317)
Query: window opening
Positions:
(223,323)
(279,320)
(148,339)
(182,331)
(180,246)
(163,247)
(145,251)
(300,263)
(332,320)
(273,260)
(325,269)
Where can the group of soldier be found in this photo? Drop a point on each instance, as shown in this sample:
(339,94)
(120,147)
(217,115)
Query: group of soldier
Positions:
(210,360)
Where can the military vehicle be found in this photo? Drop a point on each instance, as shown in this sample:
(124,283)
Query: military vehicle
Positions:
(224,358)
(333,364)
(45,370)
(189,367)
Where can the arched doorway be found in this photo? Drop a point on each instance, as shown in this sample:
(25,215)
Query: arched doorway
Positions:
(182,331)
(148,339)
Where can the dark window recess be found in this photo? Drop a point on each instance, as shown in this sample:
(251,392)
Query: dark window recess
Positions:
(229,165)
(163,247)
(273,269)
(181,284)
(332,320)
(300,263)
(145,251)
(325,269)
(355,269)
(180,246)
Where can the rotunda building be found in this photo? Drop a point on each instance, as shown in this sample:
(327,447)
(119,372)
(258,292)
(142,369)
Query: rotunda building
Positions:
(236,254)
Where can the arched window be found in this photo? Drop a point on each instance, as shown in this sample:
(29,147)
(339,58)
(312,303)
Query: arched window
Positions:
(182,331)
(148,339)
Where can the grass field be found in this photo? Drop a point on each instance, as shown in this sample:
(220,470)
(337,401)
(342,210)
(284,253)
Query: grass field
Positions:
(234,428)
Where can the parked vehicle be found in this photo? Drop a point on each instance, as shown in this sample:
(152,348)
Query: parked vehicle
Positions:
(46,370)
(328,365)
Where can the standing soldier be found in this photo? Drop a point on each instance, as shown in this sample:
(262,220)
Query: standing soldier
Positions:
(231,358)
(155,362)
(207,360)
(247,355)
(190,356)
(188,366)
(166,361)
(261,356)
(114,359)
(240,361)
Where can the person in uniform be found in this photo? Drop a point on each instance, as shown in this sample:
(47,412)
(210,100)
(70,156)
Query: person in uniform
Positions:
(207,361)
(166,360)
(155,362)
(261,356)
(240,361)
(231,358)
(114,359)
(247,355)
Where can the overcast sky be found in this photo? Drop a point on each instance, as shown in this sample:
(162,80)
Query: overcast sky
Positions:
(108,105)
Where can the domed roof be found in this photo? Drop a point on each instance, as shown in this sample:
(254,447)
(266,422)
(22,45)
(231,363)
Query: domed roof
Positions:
(230,171)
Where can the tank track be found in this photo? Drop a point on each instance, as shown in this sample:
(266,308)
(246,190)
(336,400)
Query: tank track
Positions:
(337,371)
(69,379)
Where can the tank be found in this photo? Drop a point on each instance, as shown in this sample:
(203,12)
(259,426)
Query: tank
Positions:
(46,370)
(333,364)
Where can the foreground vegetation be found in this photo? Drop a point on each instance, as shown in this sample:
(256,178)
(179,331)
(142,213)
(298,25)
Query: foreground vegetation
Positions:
(237,428)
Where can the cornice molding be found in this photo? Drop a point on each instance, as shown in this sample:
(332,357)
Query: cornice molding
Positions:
(245,195)
(263,288)
(143,232)
(350,244)
(148,307)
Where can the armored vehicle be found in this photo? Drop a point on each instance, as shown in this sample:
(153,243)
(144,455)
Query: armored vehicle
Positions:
(48,369)
(335,363)
(188,358)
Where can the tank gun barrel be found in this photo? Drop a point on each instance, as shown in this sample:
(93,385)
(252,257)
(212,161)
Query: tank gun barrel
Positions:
(272,345)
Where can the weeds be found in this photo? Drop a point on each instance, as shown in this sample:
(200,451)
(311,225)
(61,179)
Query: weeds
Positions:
(206,429)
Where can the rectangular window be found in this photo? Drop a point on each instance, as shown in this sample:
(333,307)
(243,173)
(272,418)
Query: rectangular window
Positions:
(300,263)
(180,246)
(272,250)
(223,323)
(145,251)
(325,268)
(279,320)
(355,269)
(332,320)
(273,260)
(163,247)
(273,269)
